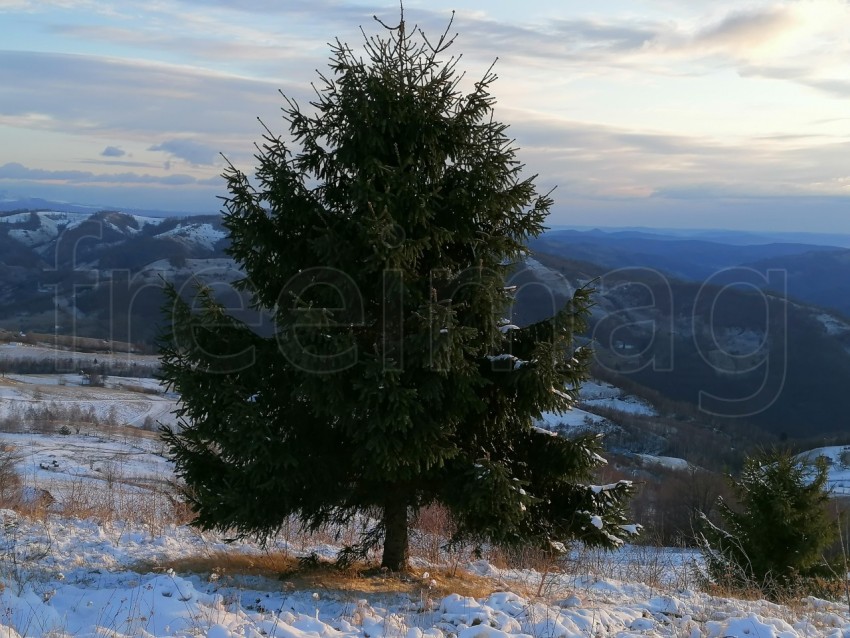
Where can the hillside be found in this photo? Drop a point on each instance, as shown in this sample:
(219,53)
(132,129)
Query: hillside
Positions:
(86,389)
(815,274)
(727,352)
(100,274)
(734,353)
(819,278)
(97,544)
(680,258)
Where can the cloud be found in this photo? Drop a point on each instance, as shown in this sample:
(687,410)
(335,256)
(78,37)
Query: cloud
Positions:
(592,45)
(606,162)
(15,171)
(112,151)
(743,31)
(189,112)
(81,94)
(129,163)
(835,87)
(658,44)
(189,150)
(223,44)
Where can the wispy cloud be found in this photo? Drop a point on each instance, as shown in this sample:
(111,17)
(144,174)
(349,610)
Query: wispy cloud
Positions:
(834,86)
(610,162)
(751,27)
(769,33)
(112,151)
(130,99)
(126,94)
(15,171)
(189,150)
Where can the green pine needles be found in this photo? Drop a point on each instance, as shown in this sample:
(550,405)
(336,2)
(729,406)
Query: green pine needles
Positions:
(379,237)
(779,534)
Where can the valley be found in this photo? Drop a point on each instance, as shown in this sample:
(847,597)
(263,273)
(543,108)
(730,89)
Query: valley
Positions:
(86,480)
(95,541)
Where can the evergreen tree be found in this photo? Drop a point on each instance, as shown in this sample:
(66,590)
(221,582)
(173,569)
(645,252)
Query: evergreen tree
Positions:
(380,237)
(781,529)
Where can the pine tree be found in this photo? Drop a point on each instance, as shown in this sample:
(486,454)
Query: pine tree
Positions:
(380,237)
(781,529)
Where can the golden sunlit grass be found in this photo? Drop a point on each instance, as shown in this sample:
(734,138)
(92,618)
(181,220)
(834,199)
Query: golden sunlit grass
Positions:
(232,567)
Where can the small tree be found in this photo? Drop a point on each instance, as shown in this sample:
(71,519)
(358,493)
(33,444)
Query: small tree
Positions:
(781,529)
(381,247)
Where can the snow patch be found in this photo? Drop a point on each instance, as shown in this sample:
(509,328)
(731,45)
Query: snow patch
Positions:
(668,462)
(833,325)
(551,278)
(200,234)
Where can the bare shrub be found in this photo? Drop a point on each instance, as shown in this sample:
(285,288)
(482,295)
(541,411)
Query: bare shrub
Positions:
(430,533)
(669,503)
(10,480)
(20,554)
(50,418)
(63,364)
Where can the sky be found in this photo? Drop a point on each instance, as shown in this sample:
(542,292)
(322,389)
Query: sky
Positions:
(654,113)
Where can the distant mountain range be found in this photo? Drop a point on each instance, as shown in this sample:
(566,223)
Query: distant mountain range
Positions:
(100,274)
(39,204)
(720,236)
(756,332)
(810,273)
(702,322)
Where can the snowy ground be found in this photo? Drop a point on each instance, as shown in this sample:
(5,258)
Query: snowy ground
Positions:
(59,462)
(106,576)
(95,564)
(84,583)
(124,400)
(838,457)
(604,395)
(594,395)
(669,462)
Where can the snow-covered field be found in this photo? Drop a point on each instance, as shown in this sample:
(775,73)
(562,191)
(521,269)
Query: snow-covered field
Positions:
(838,457)
(201,234)
(55,462)
(669,462)
(86,582)
(592,395)
(124,400)
(604,395)
(98,560)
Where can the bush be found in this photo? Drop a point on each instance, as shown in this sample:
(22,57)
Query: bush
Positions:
(10,480)
(777,538)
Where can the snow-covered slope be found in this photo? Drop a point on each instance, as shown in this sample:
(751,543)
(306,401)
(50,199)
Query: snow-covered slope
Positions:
(594,395)
(86,584)
(42,229)
(110,573)
(50,224)
(76,262)
(838,457)
(204,235)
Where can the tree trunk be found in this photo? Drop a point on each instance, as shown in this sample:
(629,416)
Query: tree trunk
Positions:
(395,541)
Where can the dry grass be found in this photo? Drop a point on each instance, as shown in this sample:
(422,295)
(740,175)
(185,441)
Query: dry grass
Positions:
(360,579)
(788,595)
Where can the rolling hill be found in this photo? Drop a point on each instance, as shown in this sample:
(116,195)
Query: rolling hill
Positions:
(664,319)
